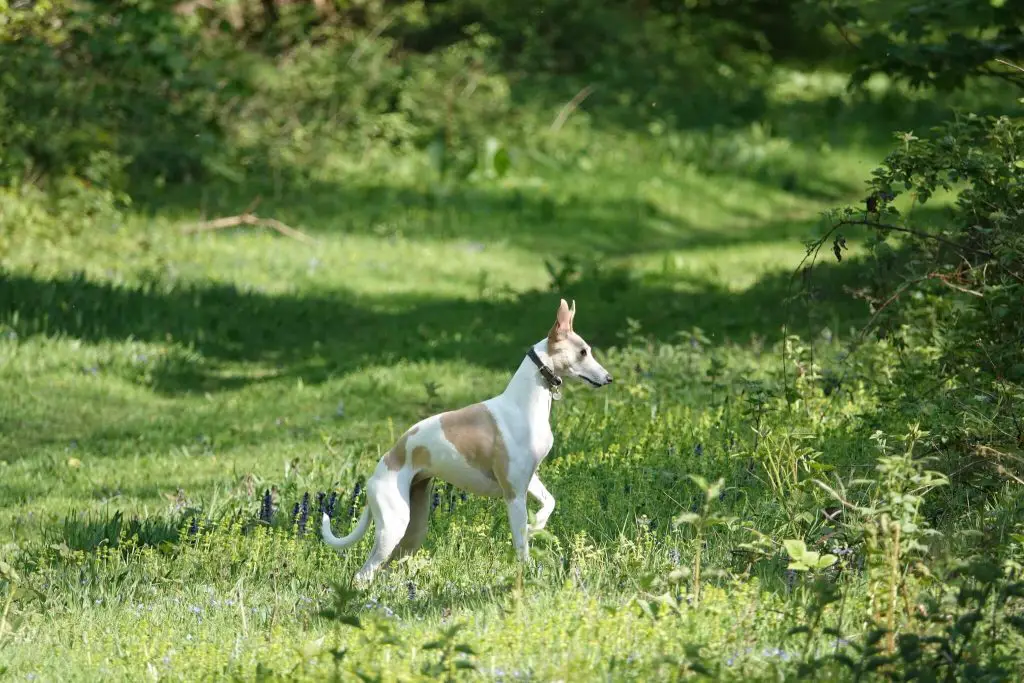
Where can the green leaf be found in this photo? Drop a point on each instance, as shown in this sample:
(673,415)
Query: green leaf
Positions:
(699,481)
(465,649)
(434,645)
(496,157)
(8,573)
(645,607)
(795,548)
(686,518)
(463,664)
(826,561)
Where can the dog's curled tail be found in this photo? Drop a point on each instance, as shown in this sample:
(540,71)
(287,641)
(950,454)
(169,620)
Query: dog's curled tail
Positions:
(342,543)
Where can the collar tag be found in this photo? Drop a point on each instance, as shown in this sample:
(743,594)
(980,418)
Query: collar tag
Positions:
(553,381)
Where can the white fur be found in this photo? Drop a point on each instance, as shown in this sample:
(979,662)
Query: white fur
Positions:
(522,414)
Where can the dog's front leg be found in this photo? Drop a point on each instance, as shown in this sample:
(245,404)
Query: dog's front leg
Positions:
(547,502)
(517,520)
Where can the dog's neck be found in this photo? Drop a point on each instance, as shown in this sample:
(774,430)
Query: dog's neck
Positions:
(528,390)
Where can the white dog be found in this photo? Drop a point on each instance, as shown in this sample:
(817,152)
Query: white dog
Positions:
(491,448)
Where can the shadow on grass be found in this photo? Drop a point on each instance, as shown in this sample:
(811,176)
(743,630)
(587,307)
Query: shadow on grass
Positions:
(318,336)
(538,221)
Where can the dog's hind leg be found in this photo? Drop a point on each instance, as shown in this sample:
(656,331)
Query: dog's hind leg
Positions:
(388,498)
(419,517)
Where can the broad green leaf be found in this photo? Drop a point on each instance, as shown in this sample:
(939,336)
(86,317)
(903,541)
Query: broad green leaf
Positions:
(795,548)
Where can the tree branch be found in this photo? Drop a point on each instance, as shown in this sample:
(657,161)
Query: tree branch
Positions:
(900,228)
(249,218)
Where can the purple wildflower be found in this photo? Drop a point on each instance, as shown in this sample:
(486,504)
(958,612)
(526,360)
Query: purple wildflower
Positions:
(304,513)
(266,507)
(698,450)
(331,502)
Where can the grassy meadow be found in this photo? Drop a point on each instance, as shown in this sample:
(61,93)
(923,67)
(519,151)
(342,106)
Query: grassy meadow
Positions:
(159,384)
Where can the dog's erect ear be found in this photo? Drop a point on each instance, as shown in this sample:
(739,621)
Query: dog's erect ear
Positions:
(563,322)
(572,312)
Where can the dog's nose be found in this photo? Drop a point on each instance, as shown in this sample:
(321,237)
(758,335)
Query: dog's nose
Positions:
(608,379)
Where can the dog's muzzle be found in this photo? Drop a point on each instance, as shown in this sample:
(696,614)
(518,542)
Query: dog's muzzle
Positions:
(607,380)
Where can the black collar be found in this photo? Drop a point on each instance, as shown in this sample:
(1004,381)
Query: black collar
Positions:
(553,380)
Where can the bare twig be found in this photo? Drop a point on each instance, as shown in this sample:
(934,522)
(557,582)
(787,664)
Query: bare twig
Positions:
(249,218)
(900,228)
(570,107)
(1009,64)
(374,34)
(944,280)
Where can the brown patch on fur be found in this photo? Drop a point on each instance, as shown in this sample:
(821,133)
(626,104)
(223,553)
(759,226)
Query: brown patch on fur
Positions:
(474,433)
(395,459)
(420,457)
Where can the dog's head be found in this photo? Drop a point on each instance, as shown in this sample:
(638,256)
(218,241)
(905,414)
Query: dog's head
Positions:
(571,356)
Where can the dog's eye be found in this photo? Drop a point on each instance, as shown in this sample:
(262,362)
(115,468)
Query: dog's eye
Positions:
(583,353)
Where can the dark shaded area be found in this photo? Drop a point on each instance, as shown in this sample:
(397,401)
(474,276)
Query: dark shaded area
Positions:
(318,336)
(580,223)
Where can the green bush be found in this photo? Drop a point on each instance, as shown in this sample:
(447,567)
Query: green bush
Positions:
(102,92)
(947,286)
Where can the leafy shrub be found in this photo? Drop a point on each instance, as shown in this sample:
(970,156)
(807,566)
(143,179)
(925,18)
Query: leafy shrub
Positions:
(101,93)
(943,44)
(950,290)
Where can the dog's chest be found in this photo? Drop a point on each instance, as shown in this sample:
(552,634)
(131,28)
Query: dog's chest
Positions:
(534,440)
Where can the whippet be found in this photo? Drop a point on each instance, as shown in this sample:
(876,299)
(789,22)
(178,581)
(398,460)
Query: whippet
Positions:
(491,449)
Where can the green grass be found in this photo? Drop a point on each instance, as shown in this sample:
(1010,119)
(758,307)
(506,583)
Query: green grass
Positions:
(169,377)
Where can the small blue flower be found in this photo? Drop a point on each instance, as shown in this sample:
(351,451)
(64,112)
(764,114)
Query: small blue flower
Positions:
(195,609)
